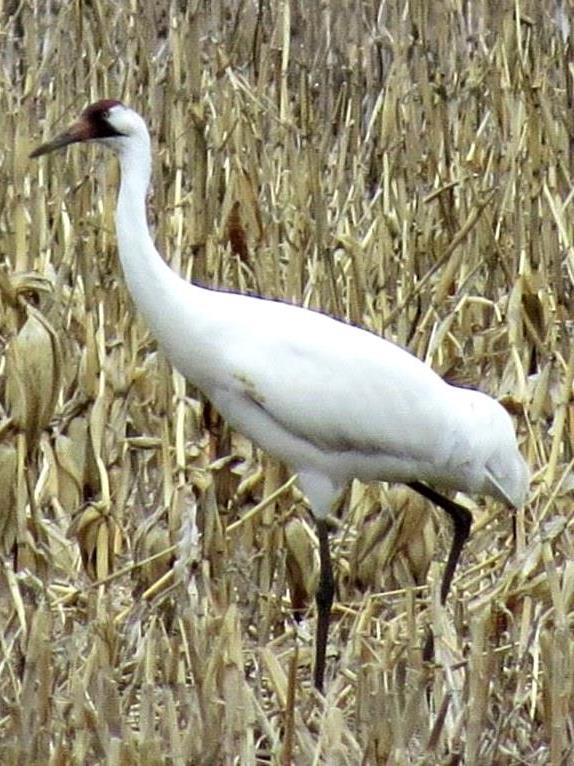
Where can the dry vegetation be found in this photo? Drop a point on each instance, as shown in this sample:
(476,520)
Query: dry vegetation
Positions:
(406,166)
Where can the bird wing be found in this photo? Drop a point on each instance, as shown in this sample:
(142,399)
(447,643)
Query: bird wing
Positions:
(330,384)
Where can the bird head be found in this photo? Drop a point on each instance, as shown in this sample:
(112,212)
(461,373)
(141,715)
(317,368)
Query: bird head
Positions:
(506,474)
(485,456)
(109,122)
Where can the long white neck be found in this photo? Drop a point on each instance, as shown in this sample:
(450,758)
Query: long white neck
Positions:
(144,269)
(175,311)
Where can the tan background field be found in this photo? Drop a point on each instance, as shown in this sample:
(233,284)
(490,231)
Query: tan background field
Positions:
(404,166)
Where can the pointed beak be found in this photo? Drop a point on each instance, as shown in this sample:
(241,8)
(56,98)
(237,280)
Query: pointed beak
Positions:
(80,131)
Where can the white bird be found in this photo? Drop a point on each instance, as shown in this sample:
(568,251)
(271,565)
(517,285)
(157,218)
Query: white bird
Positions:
(332,401)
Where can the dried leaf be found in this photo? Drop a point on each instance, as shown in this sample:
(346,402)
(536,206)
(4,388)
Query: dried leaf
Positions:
(8,520)
(99,539)
(33,374)
(302,567)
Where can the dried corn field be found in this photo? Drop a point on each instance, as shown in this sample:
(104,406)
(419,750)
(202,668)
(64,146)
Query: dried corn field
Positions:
(405,166)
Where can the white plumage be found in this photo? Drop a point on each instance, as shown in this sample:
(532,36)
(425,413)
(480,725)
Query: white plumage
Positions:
(332,401)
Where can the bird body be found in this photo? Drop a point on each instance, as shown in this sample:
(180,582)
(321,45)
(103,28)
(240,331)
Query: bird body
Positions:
(333,401)
(329,398)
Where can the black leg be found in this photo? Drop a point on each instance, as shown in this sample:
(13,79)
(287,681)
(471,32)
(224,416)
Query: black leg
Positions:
(462,520)
(324,599)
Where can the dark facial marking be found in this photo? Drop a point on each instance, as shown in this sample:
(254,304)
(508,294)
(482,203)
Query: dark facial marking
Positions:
(96,116)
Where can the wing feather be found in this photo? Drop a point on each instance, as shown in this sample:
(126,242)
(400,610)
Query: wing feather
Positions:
(337,386)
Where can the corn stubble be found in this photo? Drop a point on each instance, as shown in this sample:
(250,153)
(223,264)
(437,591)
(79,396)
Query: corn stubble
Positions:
(406,167)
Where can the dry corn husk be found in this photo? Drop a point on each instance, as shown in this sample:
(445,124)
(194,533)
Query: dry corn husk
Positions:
(395,546)
(301,562)
(33,375)
(8,479)
(151,543)
(70,452)
(15,287)
(99,538)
